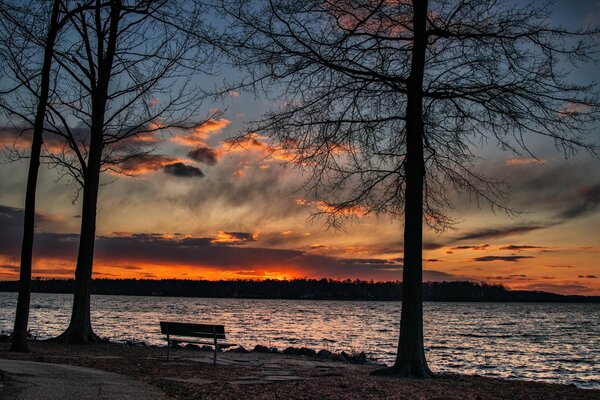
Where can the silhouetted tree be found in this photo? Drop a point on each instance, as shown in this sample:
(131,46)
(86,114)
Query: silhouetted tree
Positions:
(18,43)
(123,69)
(384,103)
(134,68)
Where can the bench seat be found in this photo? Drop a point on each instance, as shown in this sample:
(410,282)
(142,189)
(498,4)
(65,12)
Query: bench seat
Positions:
(184,331)
(211,343)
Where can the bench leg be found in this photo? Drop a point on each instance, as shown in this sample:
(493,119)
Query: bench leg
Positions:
(168,348)
(216,349)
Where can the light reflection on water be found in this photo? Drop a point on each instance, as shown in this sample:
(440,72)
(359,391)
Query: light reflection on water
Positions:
(537,341)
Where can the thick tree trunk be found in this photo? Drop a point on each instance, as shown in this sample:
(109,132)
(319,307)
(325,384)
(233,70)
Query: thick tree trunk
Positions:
(80,327)
(410,359)
(19,335)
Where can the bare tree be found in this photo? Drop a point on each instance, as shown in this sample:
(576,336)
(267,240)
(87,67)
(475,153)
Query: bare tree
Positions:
(19,335)
(124,71)
(384,103)
(16,47)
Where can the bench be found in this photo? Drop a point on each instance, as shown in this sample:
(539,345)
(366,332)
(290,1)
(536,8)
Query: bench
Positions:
(184,330)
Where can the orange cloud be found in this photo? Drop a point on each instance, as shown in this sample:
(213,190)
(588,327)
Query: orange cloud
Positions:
(524,161)
(234,237)
(146,164)
(357,211)
(22,142)
(199,135)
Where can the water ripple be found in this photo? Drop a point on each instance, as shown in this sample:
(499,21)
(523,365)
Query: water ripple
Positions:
(546,342)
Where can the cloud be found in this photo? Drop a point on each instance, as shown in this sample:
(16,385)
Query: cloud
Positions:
(355,211)
(501,232)
(514,247)
(369,261)
(471,247)
(501,258)
(587,203)
(523,161)
(587,276)
(234,237)
(146,164)
(181,170)
(511,277)
(13,217)
(11,268)
(198,136)
(19,139)
(432,245)
(566,288)
(204,155)
(222,253)
(126,267)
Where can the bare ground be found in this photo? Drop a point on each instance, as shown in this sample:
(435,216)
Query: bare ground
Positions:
(190,375)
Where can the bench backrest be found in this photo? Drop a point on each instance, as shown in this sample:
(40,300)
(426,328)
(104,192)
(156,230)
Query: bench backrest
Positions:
(192,330)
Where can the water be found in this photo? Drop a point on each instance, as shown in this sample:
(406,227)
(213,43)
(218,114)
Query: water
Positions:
(557,343)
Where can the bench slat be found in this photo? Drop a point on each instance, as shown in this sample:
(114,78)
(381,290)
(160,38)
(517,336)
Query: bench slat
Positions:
(212,343)
(192,330)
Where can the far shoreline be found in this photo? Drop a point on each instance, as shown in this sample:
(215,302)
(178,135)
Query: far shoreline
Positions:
(303,289)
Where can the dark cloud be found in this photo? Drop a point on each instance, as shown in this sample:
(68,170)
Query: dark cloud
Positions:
(401,260)
(105,274)
(586,203)
(549,187)
(514,247)
(125,251)
(501,258)
(432,245)
(204,155)
(54,271)
(587,276)
(145,163)
(511,277)
(370,261)
(568,288)
(501,232)
(127,267)
(471,247)
(8,267)
(183,171)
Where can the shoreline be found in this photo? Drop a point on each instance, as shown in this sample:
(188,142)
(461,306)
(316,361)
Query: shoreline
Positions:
(238,375)
(303,289)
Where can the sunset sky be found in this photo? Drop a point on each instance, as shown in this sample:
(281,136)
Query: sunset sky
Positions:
(199,208)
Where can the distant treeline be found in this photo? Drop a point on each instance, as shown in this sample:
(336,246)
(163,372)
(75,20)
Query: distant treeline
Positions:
(304,289)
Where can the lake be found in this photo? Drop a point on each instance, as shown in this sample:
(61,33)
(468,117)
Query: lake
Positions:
(549,342)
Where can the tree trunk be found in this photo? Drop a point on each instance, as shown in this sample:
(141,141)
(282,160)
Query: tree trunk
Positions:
(19,335)
(410,359)
(80,327)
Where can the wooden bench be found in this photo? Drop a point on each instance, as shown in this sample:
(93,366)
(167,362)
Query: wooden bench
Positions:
(184,330)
